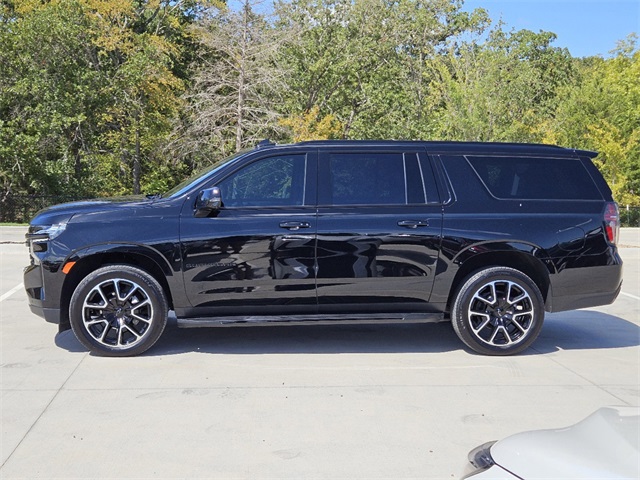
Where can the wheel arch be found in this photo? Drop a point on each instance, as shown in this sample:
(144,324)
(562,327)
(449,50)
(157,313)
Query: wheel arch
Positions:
(90,259)
(502,255)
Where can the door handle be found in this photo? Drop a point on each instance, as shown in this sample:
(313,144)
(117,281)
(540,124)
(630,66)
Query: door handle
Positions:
(294,225)
(413,223)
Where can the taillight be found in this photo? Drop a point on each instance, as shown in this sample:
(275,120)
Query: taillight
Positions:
(612,222)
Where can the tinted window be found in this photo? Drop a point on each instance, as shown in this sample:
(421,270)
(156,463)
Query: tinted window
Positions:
(273,181)
(426,172)
(196,177)
(367,179)
(415,186)
(535,178)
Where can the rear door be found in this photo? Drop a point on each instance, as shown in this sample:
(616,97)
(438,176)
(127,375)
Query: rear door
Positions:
(379,226)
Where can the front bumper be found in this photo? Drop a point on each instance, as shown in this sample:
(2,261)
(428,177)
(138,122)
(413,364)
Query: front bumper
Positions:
(51,315)
(482,466)
(36,295)
(491,473)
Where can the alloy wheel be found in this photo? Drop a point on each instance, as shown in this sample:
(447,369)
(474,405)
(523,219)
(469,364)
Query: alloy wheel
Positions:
(501,313)
(117,313)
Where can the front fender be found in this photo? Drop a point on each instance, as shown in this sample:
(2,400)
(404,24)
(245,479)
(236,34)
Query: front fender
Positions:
(163,263)
(168,260)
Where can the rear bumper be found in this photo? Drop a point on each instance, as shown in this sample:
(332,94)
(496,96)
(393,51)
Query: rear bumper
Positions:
(585,287)
(572,302)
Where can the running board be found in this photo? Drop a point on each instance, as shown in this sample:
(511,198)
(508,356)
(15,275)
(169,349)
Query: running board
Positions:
(327,319)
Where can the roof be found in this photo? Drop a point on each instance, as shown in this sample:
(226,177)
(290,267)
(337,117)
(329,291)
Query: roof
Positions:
(441,146)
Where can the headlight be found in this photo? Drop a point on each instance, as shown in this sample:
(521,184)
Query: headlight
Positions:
(480,459)
(43,233)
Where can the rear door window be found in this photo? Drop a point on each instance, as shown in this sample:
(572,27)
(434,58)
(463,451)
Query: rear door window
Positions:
(376,178)
(367,179)
(534,178)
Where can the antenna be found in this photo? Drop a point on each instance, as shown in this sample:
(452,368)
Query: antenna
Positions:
(265,143)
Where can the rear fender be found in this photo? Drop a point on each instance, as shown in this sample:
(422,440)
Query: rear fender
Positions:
(525,257)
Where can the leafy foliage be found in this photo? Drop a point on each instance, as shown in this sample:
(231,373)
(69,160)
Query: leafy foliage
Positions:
(88,91)
(310,126)
(237,83)
(128,96)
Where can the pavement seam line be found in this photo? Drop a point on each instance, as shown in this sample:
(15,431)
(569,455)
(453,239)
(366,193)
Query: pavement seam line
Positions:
(629,295)
(599,387)
(11,292)
(35,422)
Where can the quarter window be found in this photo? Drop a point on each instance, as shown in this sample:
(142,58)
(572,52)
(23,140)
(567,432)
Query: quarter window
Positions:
(535,178)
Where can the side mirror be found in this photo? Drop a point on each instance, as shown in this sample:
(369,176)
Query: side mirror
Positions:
(209,200)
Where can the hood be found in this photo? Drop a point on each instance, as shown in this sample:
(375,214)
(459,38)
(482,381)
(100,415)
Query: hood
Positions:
(56,213)
(605,445)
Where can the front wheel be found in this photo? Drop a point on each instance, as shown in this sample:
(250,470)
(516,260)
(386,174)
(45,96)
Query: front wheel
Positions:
(498,311)
(118,311)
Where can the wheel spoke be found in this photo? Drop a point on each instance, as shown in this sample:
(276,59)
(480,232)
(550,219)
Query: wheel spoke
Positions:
(134,289)
(523,295)
(119,335)
(518,299)
(487,319)
(97,290)
(509,289)
(504,332)
(506,335)
(107,327)
(97,321)
(142,319)
(518,326)
(141,304)
(493,337)
(493,297)
(116,284)
(520,313)
(132,331)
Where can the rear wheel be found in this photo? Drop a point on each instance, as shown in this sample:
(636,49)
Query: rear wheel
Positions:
(118,311)
(498,311)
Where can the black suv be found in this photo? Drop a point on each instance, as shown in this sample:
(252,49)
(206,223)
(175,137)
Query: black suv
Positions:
(487,235)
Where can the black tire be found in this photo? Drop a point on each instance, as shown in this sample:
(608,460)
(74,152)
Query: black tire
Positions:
(118,311)
(498,311)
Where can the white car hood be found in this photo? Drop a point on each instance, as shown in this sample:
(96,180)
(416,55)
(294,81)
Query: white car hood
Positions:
(605,445)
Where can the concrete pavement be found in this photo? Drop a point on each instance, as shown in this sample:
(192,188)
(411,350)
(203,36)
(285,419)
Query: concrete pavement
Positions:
(343,402)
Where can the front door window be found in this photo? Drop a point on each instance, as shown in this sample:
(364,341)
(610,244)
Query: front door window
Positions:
(270,182)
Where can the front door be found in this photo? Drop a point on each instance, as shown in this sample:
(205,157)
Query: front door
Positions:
(256,255)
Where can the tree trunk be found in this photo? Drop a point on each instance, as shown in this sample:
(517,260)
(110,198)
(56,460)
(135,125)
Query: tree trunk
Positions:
(136,161)
(242,79)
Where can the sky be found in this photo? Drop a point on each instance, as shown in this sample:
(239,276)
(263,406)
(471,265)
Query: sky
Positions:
(585,27)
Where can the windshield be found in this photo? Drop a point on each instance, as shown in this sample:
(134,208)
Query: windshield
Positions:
(185,185)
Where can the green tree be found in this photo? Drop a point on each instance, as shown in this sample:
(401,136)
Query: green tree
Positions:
(237,84)
(601,112)
(88,93)
(365,61)
(49,98)
(500,90)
